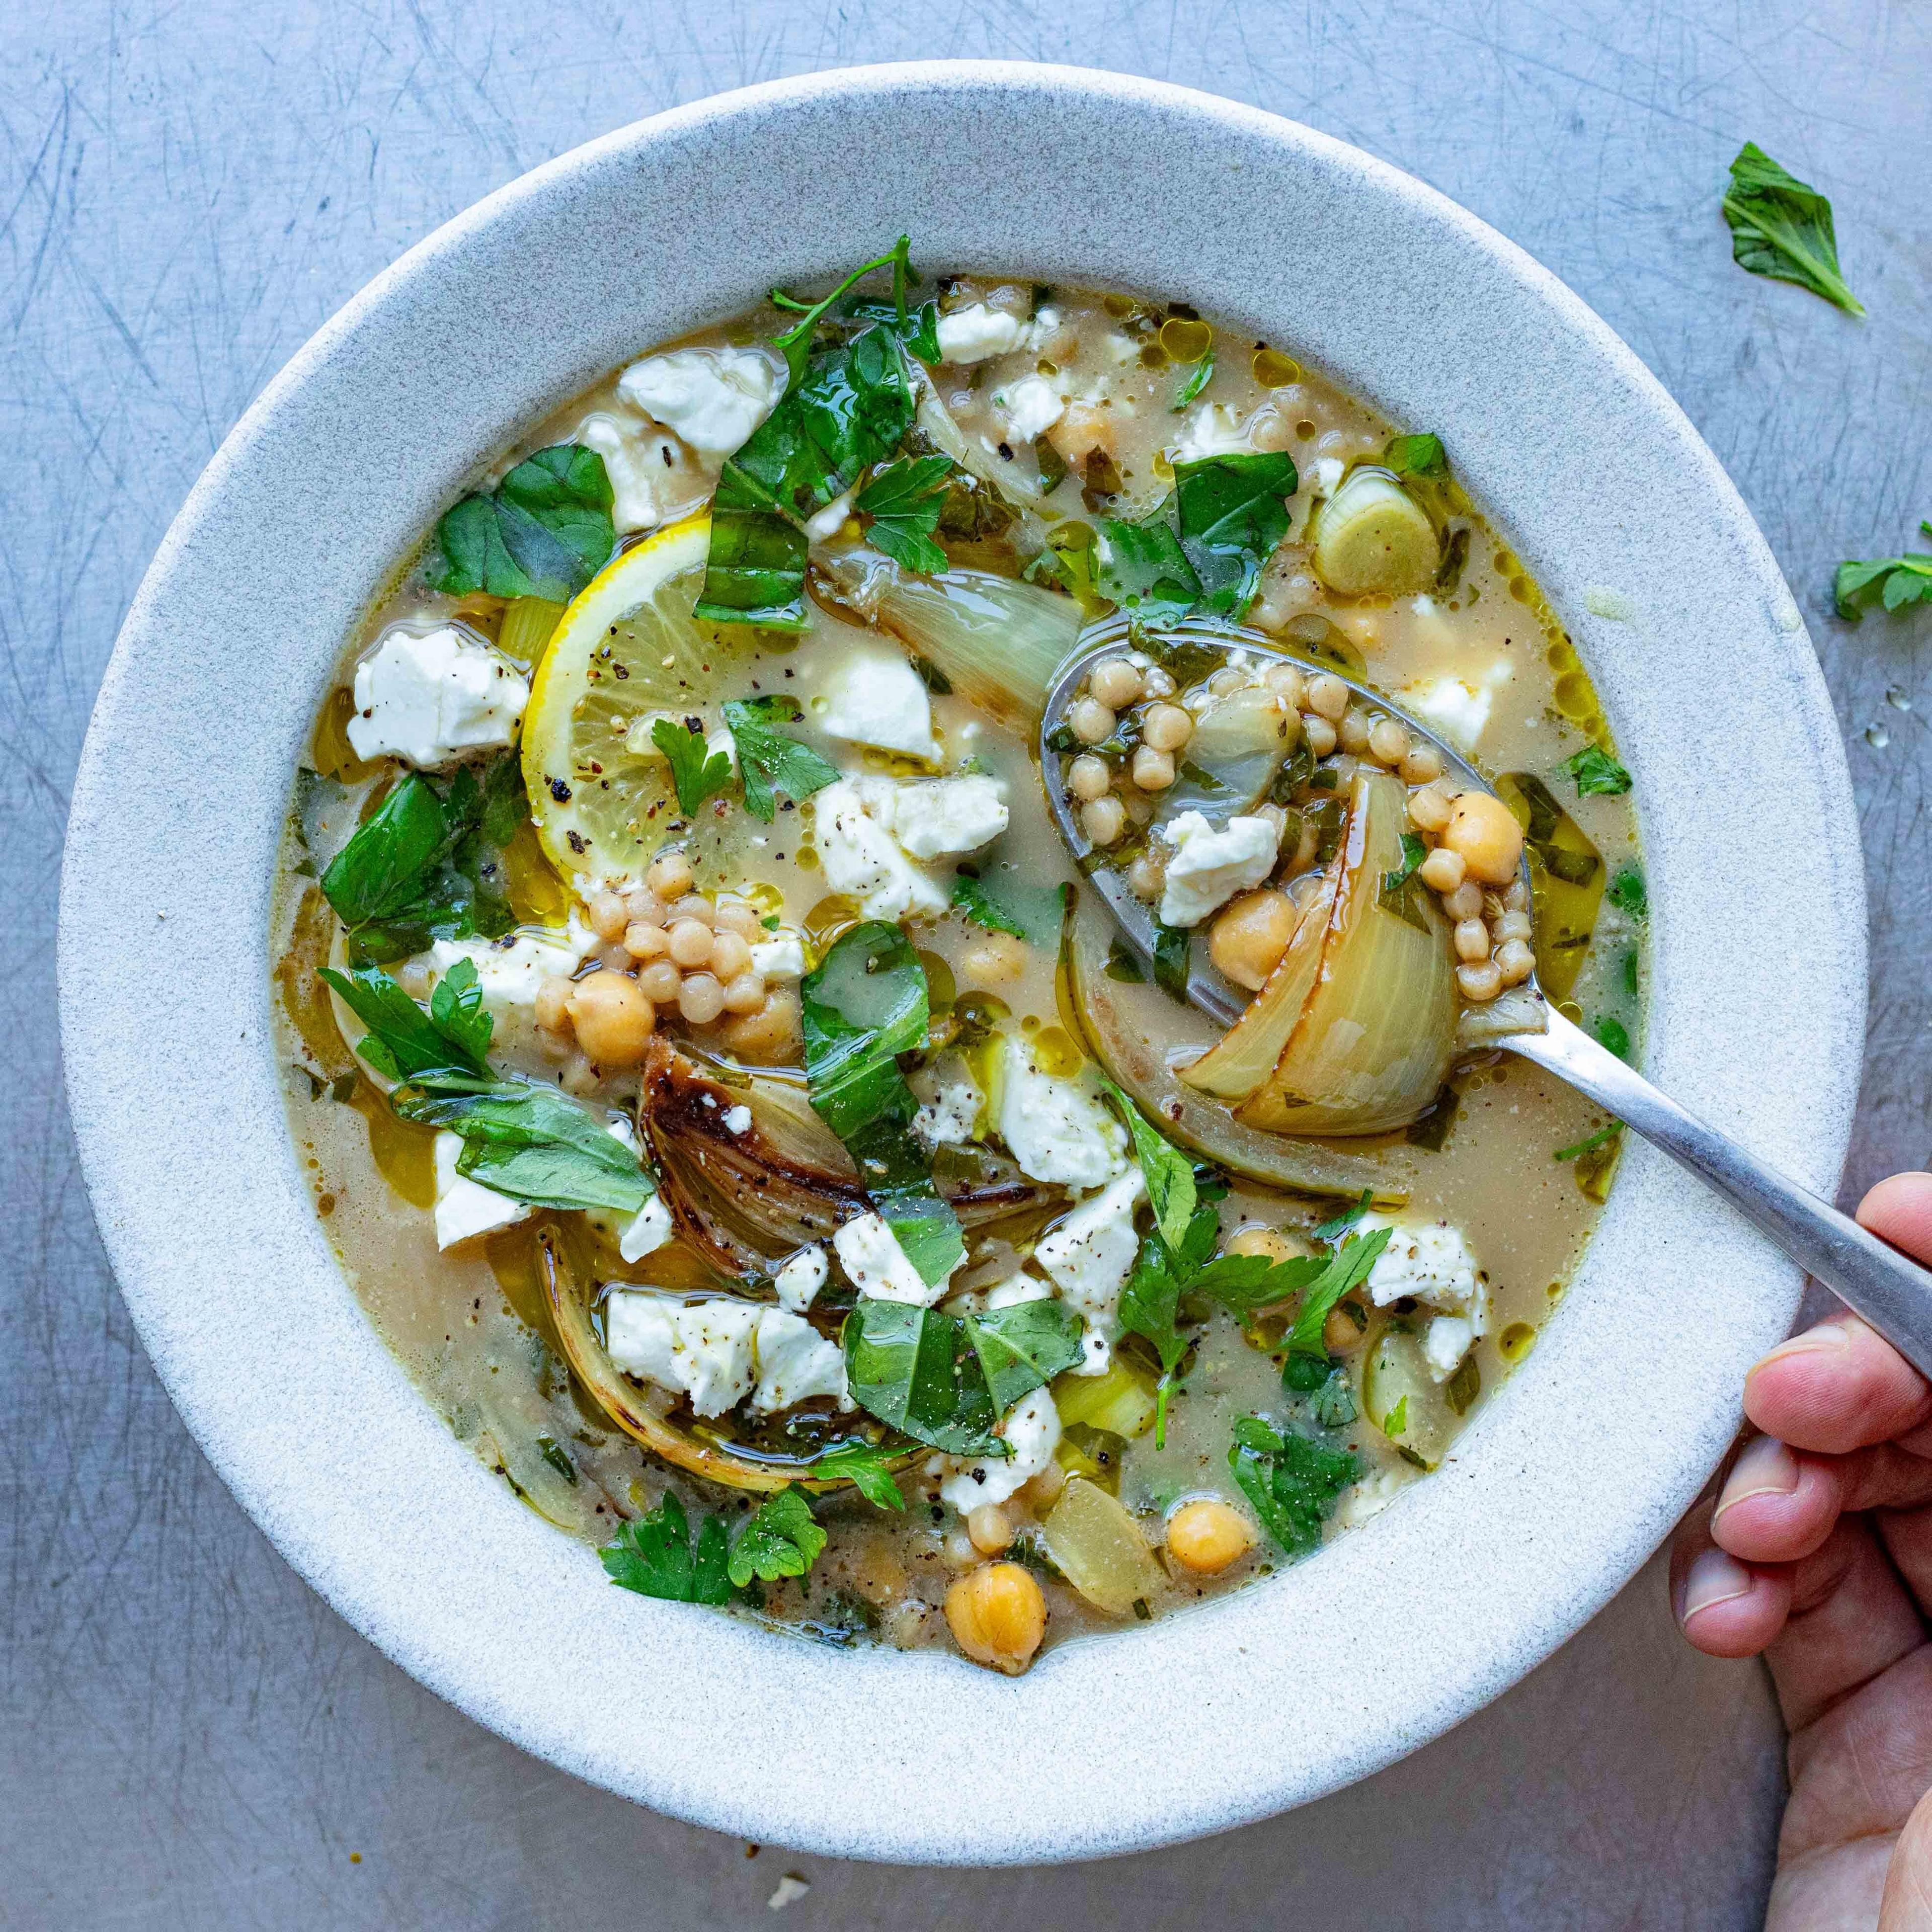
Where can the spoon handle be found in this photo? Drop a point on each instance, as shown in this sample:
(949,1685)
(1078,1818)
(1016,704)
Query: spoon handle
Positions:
(1892,1293)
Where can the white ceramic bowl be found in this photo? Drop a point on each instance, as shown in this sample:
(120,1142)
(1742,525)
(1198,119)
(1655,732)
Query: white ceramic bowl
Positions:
(1265,1699)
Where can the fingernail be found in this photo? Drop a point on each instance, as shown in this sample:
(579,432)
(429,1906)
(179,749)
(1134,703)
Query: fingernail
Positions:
(1828,1336)
(1766,1469)
(1712,1579)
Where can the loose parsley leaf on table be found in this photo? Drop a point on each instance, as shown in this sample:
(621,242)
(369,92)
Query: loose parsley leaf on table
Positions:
(1293,1482)
(655,1556)
(782,1539)
(769,761)
(544,531)
(1892,581)
(1781,227)
(697,772)
(905,501)
(1597,773)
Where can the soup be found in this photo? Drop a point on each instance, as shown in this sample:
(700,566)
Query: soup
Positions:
(729,1094)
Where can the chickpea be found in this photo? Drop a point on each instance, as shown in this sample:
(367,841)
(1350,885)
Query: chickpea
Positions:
(1152,770)
(552,1002)
(744,993)
(1146,877)
(1273,1244)
(1088,778)
(609,915)
(1206,1535)
(1515,961)
(1353,731)
(646,942)
(1083,429)
(1429,809)
(1166,727)
(1156,682)
(645,908)
(1484,830)
(735,916)
(1472,940)
(579,1076)
(993,959)
(1320,734)
(991,1528)
(1388,742)
(689,942)
(1286,681)
(1117,683)
(1442,871)
(1103,820)
(1327,697)
(769,1037)
(1464,902)
(1480,982)
(1341,1330)
(700,999)
(1249,935)
(1513,925)
(614,1019)
(997,1616)
(1091,720)
(670,875)
(660,980)
(729,955)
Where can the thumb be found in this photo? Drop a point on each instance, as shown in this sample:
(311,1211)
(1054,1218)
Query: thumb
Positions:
(1899,1210)
(1906,1906)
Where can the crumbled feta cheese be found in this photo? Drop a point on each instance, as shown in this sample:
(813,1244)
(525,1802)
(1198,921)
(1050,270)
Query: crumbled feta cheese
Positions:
(1209,867)
(1447,1339)
(973,334)
(1032,407)
(942,818)
(712,399)
(1369,1497)
(877,1267)
(649,1228)
(466,1208)
(794,1362)
(428,699)
(799,1281)
(952,1101)
(1032,1428)
(1457,709)
(860,857)
(875,697)
(1016,1289)
(1213,430)
(1057,1130)
(827,523)
(1432,1262)
(703,1349)
(1120,348)
(1326,474)
(509,972)
(738,1120)
(780,957)
(651,479)
(1090,1252)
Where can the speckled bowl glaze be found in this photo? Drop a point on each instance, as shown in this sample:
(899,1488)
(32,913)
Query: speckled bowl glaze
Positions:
(1261,1700)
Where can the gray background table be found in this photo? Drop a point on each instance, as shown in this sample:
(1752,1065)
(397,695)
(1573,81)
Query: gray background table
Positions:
(191,1737)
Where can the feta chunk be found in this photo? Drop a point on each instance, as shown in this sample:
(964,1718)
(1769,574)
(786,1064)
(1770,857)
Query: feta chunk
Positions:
(428,699)
(1213,430)
(780,957)
(1057,1130)
(1326,474)
(1457,709)
(1031,1427)
(703,1349)
(875,697)
(1209,867)
(649,1228)
(860,856)
(1016,1289)
(1447,1339)
(1090,1253)
(738,1120)
(1370,1497)
(509,973)
(653,478)
(951,1101)
(1432,1262)
(878,1267)
(946,818)
(794,1362)
(825,524)
(974,334)
(466,1208)
(1032,407)
(711,399)
(799,1281)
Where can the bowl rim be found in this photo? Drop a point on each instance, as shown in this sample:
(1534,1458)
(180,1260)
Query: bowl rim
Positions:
(361,1521)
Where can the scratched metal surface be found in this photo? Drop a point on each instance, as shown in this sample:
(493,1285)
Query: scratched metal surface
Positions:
(193,1738)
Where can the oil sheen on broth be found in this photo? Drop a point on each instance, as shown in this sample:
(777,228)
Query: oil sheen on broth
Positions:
(721,1096)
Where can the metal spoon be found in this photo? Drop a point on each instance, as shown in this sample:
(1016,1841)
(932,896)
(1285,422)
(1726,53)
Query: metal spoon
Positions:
(1894,1294)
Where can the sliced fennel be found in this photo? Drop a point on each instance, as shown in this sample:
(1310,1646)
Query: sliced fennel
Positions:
(1233,756)
(1100,1549)
(1404,1401)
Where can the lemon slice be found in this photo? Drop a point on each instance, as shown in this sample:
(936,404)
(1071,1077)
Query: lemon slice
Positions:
(625,653)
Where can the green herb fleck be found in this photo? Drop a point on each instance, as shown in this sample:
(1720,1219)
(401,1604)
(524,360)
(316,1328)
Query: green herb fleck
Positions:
(655,1556)
(769,761)
(1781,227)
(1596,772)
(1416,456)
(697,772)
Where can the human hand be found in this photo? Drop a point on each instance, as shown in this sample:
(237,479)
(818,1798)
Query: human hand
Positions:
(1818,1553)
